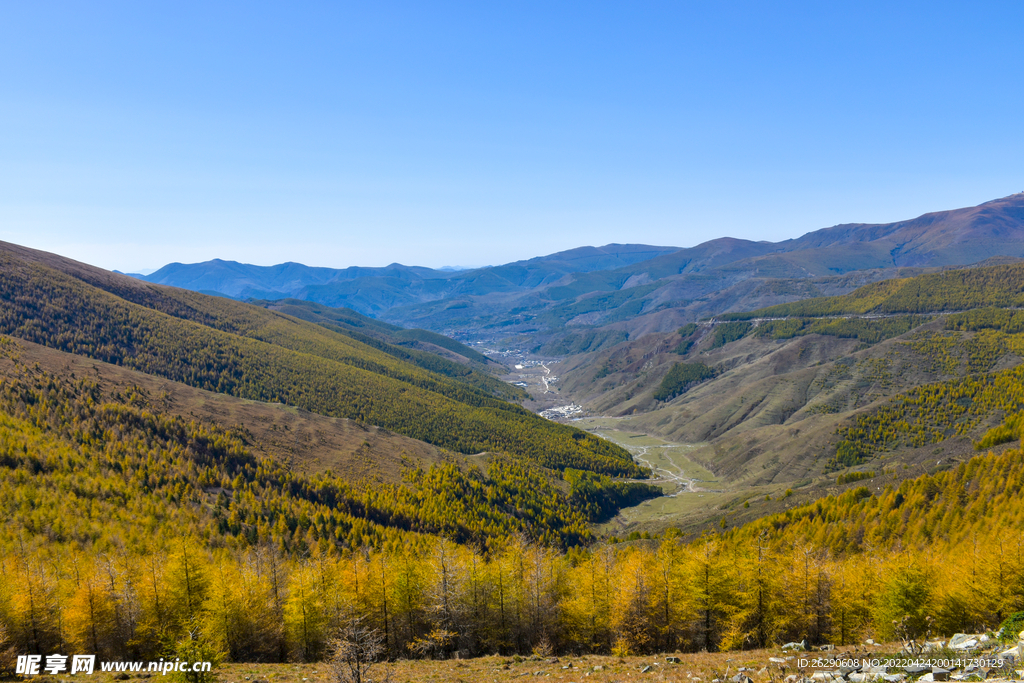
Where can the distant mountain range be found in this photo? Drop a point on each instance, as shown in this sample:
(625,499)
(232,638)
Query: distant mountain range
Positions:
(611,292)
(374,290)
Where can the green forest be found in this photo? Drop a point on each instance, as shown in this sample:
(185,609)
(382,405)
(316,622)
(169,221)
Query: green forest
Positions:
(680,378)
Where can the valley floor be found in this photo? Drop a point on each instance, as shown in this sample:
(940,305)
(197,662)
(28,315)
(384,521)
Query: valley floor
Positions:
(694,496)
(690,489)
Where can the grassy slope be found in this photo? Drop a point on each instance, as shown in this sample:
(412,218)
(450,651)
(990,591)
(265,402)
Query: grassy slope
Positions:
(780,408)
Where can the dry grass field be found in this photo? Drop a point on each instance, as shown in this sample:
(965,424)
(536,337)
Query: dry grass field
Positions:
(691,668)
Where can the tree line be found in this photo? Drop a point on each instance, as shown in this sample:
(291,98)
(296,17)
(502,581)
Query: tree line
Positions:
(439,599)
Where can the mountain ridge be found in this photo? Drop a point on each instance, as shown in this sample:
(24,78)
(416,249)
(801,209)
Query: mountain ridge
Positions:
(517,301)
(287,280)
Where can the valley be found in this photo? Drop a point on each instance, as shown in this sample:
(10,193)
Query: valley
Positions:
(596,476)
(767,426)
(737,398)
(690,490)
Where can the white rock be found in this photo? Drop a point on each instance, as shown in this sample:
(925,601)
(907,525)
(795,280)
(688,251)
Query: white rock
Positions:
(964,641)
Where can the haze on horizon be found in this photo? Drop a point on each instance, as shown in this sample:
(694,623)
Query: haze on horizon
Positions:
(463,134)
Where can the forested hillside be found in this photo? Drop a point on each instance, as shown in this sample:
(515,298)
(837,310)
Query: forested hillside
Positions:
(98,480)
(973,342)
(138,476)
(931,413)
(428,350)
(249,352)
(165,527)
(350,321)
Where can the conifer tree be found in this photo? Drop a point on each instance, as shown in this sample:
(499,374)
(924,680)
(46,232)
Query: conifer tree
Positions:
(631,607)
(91,619)
(712,590)
(305,615)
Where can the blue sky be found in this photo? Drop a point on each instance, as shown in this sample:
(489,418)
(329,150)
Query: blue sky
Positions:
(138,133)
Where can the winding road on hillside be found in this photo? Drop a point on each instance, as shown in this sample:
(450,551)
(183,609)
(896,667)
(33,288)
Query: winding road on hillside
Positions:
(668,477)
(545,379)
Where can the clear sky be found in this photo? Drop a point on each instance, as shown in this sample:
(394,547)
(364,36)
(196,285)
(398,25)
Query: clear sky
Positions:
(138,133)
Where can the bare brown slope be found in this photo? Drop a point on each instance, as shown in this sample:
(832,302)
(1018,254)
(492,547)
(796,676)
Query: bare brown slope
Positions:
(766,426)
(771,414)
(939,238)
(308,442)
